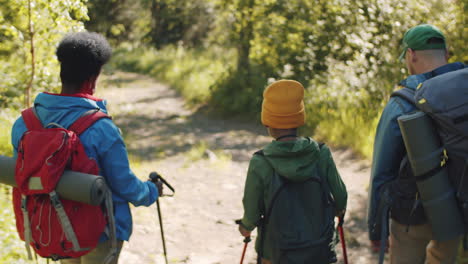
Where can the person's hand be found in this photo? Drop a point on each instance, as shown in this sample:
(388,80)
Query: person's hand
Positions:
(244,232)
(375,246)
(340,214)
(159,185)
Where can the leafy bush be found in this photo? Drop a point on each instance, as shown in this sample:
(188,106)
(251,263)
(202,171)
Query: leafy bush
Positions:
(237,92)
(192,72)
(23,30)
(343,51)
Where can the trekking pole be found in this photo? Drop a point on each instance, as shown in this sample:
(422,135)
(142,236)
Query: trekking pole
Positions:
(154,176)
(246,242)
(162,231)
(343,242)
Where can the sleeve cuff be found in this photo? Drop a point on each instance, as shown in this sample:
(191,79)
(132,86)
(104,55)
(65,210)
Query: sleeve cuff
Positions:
(248,227)
(154,194)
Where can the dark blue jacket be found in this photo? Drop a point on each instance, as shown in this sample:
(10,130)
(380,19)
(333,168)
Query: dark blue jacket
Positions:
(389,148)
(103,142)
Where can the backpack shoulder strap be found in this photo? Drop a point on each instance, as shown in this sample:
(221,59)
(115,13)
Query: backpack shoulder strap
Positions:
(30,119)
(406,94)
(86,120)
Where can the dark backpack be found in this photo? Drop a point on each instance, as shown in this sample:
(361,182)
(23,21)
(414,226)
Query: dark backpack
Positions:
(299,220)
(406,205)
(54,227)
(445,99)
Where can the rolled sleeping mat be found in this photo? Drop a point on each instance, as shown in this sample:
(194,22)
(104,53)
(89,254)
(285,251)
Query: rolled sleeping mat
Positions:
(425,154)
(75,186)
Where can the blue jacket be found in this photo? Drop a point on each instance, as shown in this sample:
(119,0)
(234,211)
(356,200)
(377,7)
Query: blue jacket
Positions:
(103,142)
(389,148)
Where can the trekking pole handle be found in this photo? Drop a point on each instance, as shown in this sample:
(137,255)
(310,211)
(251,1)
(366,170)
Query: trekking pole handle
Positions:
(246,239)
(154,176)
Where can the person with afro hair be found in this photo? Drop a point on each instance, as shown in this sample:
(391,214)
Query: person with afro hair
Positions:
(82,56)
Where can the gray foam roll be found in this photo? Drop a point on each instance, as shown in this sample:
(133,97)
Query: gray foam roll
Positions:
(75,186)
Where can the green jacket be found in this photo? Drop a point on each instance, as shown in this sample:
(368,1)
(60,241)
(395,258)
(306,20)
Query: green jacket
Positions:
(293,160)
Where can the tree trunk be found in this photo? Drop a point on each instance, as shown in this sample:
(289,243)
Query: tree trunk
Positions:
(27,96)
(156,23)
(246,35)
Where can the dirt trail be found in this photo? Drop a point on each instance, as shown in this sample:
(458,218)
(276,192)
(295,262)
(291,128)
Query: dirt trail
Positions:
(206,160)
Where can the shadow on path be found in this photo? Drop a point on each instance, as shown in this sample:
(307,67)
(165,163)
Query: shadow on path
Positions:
(174,134)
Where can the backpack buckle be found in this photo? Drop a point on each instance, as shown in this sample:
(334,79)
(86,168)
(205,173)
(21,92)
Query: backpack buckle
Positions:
(24,203)
(54,199)
(444,158)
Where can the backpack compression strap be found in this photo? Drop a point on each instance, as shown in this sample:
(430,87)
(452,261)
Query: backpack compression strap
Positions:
(65,222)
(30,119)
(79,126)
(86,120)
(406,94)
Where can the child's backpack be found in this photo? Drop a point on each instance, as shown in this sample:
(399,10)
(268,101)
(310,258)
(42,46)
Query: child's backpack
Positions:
(56,228)
(299,220)
(445,99)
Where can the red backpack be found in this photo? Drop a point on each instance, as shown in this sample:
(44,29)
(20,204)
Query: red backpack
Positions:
(56,228)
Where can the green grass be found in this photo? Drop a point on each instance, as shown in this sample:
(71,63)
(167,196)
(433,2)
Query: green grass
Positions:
(348,128)
(342,121)
(12,249)
(202,150)
(192,72)
(462,255)
(197,151)
(7,118)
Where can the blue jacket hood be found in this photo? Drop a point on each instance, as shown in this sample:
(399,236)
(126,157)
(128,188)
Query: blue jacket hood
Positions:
(65,109)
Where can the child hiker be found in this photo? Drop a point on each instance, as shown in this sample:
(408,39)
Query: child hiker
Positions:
(293,190)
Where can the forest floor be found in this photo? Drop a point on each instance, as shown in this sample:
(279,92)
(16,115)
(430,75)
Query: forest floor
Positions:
(205,158)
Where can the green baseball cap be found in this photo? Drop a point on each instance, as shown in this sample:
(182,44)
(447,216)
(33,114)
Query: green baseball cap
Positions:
(416,38)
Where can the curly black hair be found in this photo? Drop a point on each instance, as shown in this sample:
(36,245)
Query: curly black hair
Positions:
(82,56)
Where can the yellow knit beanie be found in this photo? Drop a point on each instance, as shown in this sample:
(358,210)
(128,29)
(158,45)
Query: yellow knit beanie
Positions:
(283,105)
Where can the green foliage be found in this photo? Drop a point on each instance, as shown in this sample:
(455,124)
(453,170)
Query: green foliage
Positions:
(239,91)
(346,103)
(344,51)
(12,249)
(155,22)
(191,72)
(117,20)
(46,24)
(6,121)
(50,21)
(179,20)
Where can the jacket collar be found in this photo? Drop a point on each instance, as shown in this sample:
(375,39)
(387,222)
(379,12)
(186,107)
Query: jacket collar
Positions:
(80,95)
(414,80)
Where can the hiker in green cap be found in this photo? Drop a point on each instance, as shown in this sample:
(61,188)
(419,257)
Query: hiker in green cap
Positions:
(293,190)
(392,184)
